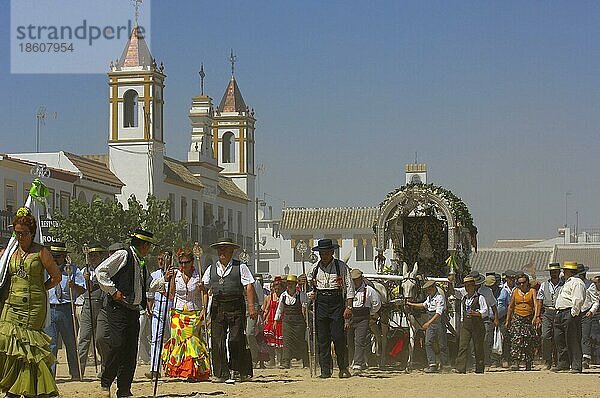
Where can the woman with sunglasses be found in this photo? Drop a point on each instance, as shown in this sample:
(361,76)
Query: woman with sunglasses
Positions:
(185,354)
(521,322)
(25,357)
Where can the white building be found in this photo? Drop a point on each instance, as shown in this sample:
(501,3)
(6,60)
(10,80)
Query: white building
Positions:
(67,176)
(214,188)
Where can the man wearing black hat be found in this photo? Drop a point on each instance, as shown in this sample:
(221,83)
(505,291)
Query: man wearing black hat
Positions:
(61,308)
(228,280)
(546,298)
(124,278)
(334,293)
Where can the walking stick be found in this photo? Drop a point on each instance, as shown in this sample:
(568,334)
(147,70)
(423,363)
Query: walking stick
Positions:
(86,251)
(163,317)
(70,275)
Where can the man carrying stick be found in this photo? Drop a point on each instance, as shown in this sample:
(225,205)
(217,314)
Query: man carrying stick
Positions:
(62,323)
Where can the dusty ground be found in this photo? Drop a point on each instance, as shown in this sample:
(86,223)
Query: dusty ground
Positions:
(297,382)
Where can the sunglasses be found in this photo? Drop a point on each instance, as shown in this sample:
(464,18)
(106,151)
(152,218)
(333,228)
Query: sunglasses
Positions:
(522,283)
(22,234)
(186,262)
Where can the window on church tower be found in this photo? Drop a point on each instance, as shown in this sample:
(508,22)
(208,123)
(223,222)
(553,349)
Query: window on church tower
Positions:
(228,151)
(130,109)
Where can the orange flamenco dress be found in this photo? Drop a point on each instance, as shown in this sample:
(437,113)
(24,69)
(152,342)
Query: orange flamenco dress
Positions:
(185,354)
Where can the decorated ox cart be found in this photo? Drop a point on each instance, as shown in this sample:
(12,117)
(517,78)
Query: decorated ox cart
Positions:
(430,227)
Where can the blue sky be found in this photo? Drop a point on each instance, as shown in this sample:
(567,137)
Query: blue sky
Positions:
(500,99)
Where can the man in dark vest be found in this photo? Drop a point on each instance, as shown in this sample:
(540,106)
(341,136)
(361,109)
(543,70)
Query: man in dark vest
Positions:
(125,280)
(472,329)
(333,294)
(228,280)
(546,297)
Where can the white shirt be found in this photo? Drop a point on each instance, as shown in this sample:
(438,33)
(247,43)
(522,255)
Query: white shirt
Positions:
(366,296)
(571,296)
(187,295)
(245,274)
(288,299)
(552,287)
(109,267)
(435,304)
(326,278)
(487,294)
(483,308)
(591,302)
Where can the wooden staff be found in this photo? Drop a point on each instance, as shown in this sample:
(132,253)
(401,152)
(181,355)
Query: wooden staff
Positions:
(163,317)
(89,289)
(71,276)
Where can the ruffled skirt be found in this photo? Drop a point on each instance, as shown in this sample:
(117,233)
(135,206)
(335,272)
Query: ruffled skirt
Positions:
(25,361)
(185,354)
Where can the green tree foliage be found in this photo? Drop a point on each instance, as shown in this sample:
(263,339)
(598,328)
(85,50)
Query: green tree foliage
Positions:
(104,222)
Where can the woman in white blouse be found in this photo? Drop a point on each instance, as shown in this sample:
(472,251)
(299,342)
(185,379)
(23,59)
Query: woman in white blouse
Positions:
(185,354)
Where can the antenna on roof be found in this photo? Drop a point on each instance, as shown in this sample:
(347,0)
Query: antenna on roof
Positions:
(41,116)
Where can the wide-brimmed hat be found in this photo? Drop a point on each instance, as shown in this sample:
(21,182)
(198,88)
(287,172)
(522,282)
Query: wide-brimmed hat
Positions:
(96,249)
(582,269)
(59,247)
(291,278)
(510,273)
(490,280)
(428,284)
(553,266)
(116,246)
(146,236)
(355,273)
(225,242)
(325,244)
(479,278)
(570,265)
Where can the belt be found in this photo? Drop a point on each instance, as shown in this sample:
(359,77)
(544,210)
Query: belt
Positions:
(58,305)
(329,292)
(563,309)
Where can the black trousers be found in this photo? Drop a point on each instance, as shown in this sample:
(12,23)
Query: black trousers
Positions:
(548,346)
(330,326)
(567,336)
(124,330)
(472,329)
(229,317)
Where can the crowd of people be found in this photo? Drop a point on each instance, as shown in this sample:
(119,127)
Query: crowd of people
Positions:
(219,323)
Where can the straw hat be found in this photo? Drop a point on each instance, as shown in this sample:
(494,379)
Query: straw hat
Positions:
(570,265)
(428,284)
(291,278)
(355,273)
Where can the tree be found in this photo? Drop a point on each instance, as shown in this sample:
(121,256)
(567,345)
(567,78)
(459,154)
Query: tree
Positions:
(104,222)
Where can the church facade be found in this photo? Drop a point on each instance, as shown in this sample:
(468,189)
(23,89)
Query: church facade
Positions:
(214,188)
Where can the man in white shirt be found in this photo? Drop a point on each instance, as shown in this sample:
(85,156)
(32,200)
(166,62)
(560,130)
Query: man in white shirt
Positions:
(333,301)
(156,309)
(588,309)
(124,278)
(435,327)
(474,309)
(366,303)
(229,280)
(546,298)
(567,323)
